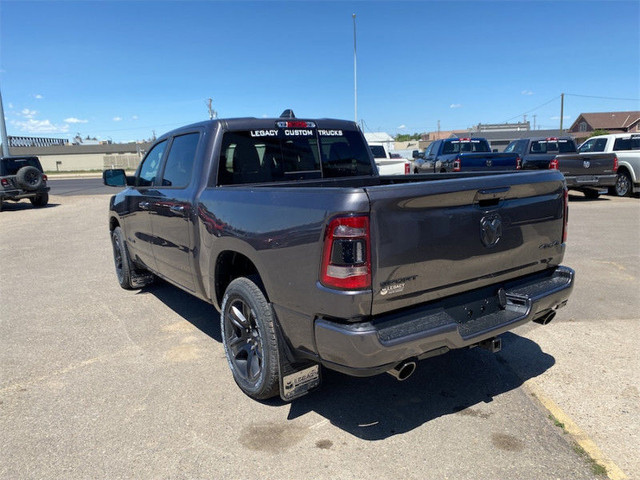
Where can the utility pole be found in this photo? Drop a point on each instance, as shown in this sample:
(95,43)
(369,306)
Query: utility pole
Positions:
(438,137)
(3,131)
(355,73)
(534,121)
(561,110)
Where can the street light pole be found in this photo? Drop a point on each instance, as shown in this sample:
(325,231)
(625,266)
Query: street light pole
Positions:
(3,131)
(355,73)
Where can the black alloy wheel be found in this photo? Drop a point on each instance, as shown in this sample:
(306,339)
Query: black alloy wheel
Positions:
(249,339)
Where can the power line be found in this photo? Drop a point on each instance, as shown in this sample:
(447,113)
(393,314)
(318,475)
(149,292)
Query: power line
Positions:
(533,109)
(604,98)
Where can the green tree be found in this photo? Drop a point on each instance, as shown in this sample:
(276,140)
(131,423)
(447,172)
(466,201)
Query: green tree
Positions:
(598,132)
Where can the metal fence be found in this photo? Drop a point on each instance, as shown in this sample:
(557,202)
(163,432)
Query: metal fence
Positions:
(126,161)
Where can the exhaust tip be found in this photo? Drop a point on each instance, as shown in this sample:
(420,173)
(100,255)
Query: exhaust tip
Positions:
(403,370)
(545,319)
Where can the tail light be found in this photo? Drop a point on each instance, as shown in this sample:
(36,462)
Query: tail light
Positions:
(457,164)
(44,177)
(565,218)
(407,168)
(346,259)
(615,163)
(4,182)
(554,164)
(518,162)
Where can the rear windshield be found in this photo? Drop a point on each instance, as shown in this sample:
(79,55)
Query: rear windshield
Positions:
(10,166)
(273,155)
(465,146)
(378,151)
(552,146)
(631,143)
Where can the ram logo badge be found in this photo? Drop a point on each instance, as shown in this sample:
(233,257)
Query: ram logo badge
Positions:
(490,229)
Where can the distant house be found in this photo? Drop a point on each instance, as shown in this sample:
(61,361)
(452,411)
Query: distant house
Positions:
(612,122)
(380,138)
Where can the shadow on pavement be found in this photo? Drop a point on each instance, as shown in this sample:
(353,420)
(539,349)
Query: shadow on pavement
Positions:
(378,407)
(20,206)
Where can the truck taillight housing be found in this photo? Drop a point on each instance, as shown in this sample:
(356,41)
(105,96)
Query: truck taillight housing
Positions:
(518,163)
(565,218)
(407,168)
(615,163)
(554,164)
(5,182)
(457,164)
(346,259)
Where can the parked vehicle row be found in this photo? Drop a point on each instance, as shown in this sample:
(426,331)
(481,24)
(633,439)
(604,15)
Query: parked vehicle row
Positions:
(312,258)
(588,172)
(463,154)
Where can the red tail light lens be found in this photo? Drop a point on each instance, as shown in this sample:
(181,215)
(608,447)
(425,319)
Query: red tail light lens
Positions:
(346,260)
(45,178)
(554,164)
(5,182)
(407,168)
(457,164)
(615,164)
(518,162)
(565,219)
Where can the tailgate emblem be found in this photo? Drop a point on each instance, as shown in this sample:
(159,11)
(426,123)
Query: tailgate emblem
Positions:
(489,163)
(586,164)
(490,229)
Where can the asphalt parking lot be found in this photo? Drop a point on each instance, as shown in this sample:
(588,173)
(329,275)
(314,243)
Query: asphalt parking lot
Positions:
(99,382)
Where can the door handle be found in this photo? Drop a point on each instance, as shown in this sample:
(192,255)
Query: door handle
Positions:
(177,208)
(143,205)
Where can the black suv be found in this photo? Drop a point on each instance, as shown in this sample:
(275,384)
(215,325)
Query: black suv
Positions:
(22,177)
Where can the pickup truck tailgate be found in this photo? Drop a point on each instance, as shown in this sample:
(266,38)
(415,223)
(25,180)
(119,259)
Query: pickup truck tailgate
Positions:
(586,164)
(434,239)
(487,161)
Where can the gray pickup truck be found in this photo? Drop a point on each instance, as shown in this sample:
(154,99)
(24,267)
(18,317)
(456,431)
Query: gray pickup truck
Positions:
(314,259)
(586,171)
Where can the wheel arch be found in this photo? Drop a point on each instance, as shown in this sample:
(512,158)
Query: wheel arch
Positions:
(229,265)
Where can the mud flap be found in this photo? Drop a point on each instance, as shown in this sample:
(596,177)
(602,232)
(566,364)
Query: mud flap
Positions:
(298,379)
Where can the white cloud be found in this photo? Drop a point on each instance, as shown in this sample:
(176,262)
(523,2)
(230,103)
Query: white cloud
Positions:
(75,120)
(455,105)
(26,113)
(134,117)
(526,92)
(10,105)
(117,119)
(39,126)
(38,96)
(401,127)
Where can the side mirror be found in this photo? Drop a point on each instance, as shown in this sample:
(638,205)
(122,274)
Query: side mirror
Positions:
(415,153)
(114,178)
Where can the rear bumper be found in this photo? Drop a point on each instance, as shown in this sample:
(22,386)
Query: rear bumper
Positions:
(369,348)
(17,194)
(590,181)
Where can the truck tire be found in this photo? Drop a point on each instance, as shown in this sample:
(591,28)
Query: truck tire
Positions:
(124,267)
(622,187)
(40,200)
(29,178)
(247,325)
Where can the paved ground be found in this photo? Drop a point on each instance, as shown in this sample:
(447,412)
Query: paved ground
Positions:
(98,382)
(78,185)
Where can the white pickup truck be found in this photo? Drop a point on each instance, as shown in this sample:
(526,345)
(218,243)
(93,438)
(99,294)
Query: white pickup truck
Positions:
(626,146)
(387,165)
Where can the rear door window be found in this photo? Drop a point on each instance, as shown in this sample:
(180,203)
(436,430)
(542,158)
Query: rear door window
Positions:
(179,166)
(630,143)
(272,155)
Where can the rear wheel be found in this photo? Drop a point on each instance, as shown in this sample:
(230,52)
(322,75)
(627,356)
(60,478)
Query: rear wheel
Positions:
(40,200)
(622,187)
(249,337)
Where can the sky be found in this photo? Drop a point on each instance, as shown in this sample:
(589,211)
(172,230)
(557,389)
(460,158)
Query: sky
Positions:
(123,70)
